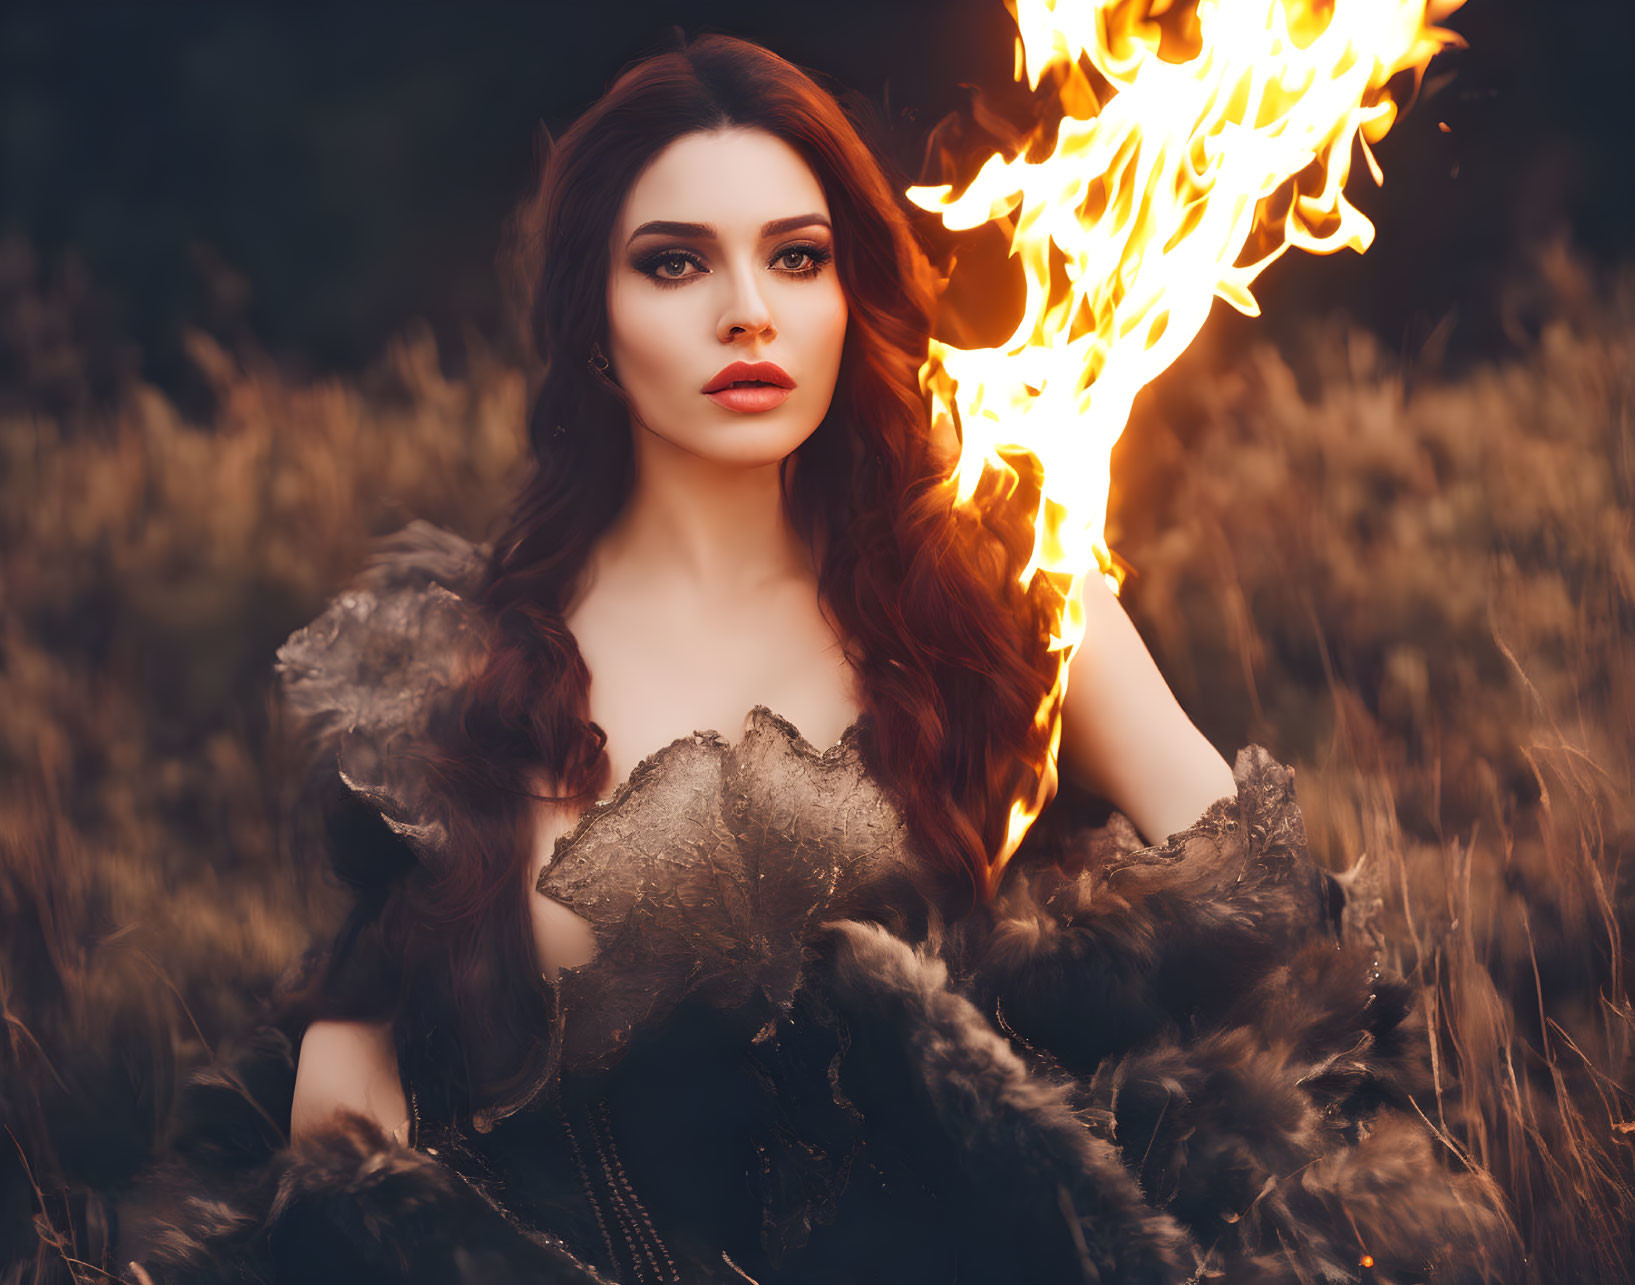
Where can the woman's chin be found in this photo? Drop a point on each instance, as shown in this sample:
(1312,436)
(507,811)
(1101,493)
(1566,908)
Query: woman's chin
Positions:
(742,444)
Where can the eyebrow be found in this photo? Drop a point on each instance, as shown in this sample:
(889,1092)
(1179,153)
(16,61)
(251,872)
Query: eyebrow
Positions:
(703,231)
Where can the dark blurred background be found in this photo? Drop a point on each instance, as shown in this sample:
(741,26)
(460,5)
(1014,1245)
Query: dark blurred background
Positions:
(315,176)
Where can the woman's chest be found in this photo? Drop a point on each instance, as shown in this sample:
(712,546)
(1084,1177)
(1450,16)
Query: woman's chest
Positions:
(706,874)
(701,800)
(659,682)
(662,671)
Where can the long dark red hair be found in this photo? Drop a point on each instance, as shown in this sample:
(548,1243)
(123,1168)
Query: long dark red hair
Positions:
(949,652)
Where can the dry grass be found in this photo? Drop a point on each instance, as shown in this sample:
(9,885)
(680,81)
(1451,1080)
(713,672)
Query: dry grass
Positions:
(150,566)
(1423,597)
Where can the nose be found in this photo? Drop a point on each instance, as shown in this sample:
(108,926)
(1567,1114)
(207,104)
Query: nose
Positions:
(746,311)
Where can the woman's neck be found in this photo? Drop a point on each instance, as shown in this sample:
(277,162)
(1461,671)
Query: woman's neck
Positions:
(696,525)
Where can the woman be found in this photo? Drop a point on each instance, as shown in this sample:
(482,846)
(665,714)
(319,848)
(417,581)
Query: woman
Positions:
(699,595)
(748,1015)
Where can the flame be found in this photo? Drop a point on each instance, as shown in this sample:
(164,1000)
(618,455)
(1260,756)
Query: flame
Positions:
(1184,131)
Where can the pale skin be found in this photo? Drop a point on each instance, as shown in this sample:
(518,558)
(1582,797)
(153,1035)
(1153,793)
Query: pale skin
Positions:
(701,601)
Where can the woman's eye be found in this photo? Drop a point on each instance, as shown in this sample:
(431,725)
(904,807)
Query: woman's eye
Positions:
(672,266)
(669,267)
(802,260)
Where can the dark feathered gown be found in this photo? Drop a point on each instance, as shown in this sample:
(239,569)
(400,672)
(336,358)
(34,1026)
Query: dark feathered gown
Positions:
(789,1062)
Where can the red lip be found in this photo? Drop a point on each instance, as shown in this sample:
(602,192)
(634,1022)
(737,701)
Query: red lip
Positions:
(763,372)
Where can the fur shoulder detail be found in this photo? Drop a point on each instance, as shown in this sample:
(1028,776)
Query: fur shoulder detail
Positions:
(1221,1021)
(363,678)
(1172,932)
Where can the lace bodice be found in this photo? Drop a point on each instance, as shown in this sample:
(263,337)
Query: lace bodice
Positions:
(705,873)
(703,877)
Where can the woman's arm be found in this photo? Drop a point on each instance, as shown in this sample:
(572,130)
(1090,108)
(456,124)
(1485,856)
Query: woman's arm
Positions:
(1124,735)
(348,1066)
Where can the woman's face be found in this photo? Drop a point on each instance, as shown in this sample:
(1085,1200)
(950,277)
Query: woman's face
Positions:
(723,254)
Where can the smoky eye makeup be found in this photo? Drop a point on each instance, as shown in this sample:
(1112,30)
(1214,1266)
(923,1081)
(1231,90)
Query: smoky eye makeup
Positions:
(668,266)
(816,256)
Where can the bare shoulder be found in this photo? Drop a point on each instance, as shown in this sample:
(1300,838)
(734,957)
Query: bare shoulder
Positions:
(348,1066)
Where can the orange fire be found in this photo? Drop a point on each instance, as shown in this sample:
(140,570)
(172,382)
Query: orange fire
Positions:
(1190,134)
